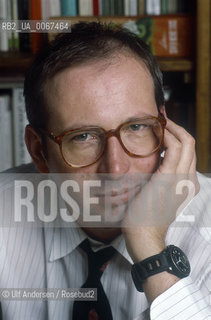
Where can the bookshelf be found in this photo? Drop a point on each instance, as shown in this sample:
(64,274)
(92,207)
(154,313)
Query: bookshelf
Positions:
(13,64)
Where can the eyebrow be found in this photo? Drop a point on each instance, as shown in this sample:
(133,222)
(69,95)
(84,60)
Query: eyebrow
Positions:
(85,125)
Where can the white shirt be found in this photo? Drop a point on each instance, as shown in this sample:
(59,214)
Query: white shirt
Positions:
(50,258)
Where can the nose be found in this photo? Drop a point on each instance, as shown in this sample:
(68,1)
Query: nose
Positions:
(114,160)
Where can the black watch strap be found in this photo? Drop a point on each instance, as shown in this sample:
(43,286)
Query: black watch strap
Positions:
(148,267)
(171,259)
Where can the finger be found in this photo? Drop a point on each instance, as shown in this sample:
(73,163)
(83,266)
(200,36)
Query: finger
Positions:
(193,165)
(172,154)
(187,145)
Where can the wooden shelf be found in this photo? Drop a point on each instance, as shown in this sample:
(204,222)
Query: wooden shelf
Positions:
(14,61)
(19,61)
(171,64)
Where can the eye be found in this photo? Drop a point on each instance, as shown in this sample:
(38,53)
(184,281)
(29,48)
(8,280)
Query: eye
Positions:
(84,137)
(137,126)
(81,137)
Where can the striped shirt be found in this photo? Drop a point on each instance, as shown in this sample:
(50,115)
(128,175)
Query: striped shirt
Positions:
(50,258)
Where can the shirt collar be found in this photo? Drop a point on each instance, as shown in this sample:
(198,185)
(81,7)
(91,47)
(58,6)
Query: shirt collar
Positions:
(66,240)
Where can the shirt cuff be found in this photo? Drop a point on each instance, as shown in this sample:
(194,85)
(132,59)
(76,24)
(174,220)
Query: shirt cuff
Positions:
(181,301)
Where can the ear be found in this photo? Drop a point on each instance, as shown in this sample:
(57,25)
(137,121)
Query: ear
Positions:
(34,145)
(163,111)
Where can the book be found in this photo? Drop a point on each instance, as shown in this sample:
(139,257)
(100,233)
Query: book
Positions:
(36,14)
(96,7)
(23,14)
(126,7)
(45,9)
(113,7)
(100,7)
(172,6)
(106,7)
(15,17)
(153,7)
(9,18)
(55,8)
(85,8)
(141,7)
(167,36)
(164,9)
(6,155)
(12,15)
(21,154)
(133,8)
(69,7)
(118,8)
(4,43)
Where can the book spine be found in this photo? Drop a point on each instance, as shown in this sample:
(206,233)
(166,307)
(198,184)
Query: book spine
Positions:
(21,154)
(133,8)
(167,36)
(106,8)
(15,18)
(45,5)
(85,8)
(69,7)
(126,8)
(55,8)
(4,43)
(6,156)
(153,7)
(96,7)
(164,6)
(172,6)
(141,7)
(113,7)
(36,14)
(120,7)
(23,14)
(9,17)
(100,7)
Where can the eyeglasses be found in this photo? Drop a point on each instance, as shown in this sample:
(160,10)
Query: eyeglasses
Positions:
(84,146)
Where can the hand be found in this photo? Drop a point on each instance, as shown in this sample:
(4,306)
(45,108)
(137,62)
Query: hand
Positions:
(155,207)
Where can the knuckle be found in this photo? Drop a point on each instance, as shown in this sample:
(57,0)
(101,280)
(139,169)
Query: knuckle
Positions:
(190,140)
(177,146)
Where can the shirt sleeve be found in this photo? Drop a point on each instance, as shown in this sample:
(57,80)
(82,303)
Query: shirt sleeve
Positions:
(184,300)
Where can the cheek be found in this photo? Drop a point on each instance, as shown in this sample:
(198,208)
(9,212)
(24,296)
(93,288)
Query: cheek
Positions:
(146,165)
(56,164)
(54,159)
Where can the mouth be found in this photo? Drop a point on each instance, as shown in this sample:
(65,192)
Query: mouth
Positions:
(118,197)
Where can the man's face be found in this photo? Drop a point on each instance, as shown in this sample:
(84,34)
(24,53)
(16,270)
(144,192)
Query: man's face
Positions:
(104,94)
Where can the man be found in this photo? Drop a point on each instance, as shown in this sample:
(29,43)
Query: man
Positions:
(95,105)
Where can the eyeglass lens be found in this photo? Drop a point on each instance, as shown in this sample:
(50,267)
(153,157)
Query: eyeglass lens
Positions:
(140,137)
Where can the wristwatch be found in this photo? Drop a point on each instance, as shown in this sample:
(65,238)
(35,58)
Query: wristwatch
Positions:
(172,260)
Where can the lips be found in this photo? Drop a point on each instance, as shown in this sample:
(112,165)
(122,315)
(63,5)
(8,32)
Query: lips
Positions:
(118,197)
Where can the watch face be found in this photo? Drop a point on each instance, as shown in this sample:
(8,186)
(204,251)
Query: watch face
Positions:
(180,261)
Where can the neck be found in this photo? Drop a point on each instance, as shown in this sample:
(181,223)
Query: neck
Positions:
(105,235)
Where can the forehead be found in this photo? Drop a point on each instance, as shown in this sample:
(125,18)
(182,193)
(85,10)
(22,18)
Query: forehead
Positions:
(103,93)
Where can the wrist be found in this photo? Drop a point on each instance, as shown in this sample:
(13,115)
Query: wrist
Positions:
(141,249)
(144,242)
(172,260)
(146,252)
